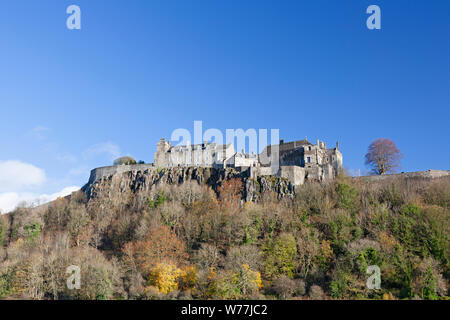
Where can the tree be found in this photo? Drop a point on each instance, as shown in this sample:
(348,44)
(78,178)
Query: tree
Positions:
(230,193)
(236,285)
(279,256)
(164,277)
(124,161)
(383,156)
(160,246)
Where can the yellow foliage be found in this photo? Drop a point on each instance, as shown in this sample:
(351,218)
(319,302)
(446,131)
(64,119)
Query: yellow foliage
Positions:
(253,276)
(188,277)
(212,273)
(164,276)
(325,247)
(388,296)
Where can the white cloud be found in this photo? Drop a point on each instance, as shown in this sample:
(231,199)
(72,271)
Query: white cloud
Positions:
(43,198)
(110,149)
(16,175)
(10,200)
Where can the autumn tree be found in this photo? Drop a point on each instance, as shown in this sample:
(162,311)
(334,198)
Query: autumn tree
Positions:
(164,277)
(160,246)
(383,156)
(230,193)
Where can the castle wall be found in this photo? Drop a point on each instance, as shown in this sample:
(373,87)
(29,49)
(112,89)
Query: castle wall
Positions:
(295,174)
(99,173)
(261,171)
(298,160)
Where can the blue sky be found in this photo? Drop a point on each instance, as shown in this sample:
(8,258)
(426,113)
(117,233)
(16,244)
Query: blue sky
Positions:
(72,100)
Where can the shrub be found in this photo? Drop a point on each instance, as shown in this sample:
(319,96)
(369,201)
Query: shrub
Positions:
(346,196)
(428,282)
(339,284)
(300,288)
(316,292)
(284,287)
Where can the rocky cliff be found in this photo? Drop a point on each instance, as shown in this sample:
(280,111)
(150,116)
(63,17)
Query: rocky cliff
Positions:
(140,179)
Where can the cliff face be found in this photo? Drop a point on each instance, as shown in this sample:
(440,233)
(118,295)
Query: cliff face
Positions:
(136,179)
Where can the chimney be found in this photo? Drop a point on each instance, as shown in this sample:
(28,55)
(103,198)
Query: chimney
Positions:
(318,143)
(281,141)
(337,145)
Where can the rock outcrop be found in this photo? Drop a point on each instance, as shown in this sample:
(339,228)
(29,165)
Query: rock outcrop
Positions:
(140,179)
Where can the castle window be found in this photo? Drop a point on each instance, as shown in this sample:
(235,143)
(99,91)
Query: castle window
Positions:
(309,159)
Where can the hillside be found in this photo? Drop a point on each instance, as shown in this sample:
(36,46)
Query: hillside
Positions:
(202,233)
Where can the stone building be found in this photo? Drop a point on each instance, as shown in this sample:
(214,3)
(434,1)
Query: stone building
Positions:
(301,159)
(296,160)
(196,155)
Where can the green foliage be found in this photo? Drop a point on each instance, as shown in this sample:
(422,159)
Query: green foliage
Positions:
(237,285)
(252,229)
(339,284)
(346,196)
(419,233)
(429,285)
(160,199)
(7,282)
(341,227)
(32,231)
(368,257)
(3,230)
(279,256)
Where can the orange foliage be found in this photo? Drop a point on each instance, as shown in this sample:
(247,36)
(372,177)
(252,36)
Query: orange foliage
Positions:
(160,246)
(230,193)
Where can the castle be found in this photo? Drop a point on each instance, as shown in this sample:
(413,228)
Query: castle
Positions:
(295,161)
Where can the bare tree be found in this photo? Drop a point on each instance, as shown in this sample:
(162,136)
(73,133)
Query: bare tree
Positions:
(383,156)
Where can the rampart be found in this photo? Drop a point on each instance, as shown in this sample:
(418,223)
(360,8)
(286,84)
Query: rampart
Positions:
(98,173)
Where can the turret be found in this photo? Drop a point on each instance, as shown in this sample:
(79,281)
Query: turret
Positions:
(163,145)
